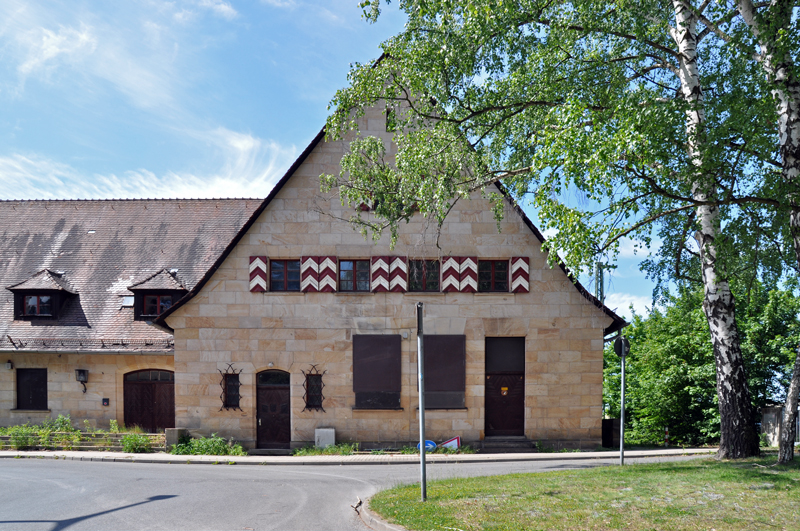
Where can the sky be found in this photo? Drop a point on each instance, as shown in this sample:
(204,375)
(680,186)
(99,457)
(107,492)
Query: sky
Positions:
(184,98)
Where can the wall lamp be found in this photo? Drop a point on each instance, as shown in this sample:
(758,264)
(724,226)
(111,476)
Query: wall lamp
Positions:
(9,365)
(82,375)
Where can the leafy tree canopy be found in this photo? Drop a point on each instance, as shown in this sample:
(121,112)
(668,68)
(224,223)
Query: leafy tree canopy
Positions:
(670,369)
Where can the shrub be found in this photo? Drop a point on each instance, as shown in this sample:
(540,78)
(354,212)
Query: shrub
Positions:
(23,437)
(113,426)
(62,424)
(135,443)
(213,445)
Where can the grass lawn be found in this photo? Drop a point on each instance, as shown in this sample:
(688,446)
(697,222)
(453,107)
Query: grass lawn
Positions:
(697,494)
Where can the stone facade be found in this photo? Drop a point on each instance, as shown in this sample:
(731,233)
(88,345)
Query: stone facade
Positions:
(224,323)
(65,395)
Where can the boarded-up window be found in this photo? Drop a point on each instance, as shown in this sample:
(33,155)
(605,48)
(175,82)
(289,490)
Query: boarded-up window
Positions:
(376,371)
(31,388)
(445,371)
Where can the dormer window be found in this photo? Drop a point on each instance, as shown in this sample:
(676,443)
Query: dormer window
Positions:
(38,305)
(41,296)
(156,304)
(156,294)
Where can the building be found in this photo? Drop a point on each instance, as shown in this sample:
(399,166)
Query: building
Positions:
(79,281)
(302,324)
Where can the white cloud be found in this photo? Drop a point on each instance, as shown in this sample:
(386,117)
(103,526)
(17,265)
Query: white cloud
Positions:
(621,303)
(279,3)
(46,48)
(248,167)
(220,8)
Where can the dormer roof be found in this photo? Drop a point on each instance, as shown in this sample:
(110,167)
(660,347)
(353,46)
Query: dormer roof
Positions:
(166,279)
(45,280)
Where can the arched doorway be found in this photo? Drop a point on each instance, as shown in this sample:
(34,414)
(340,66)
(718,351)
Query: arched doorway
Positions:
(273,418)
(150,399)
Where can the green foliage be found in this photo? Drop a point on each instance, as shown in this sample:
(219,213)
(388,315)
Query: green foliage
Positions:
(135,443)
(113,426)
(670,371)
(23,437)
(213,445)
(61,424)
(342,448)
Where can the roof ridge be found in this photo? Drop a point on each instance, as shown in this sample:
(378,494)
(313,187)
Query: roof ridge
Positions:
(135,199)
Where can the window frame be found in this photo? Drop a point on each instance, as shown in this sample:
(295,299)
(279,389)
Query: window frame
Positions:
(285,280)
(40,399)
(38,304)
(424,281)
(158,297)
(355,281)
(493,272)
(139,301)
(231,395)
(312,396)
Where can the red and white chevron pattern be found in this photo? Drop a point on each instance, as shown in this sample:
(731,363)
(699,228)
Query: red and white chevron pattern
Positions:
(379,274)
(328,270)
(468,277)
(258,274)
(398,274)
(451,274)
(520,274)
(309,274)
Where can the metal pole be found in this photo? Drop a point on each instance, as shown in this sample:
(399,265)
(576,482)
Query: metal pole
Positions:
(421,379)
(622,408)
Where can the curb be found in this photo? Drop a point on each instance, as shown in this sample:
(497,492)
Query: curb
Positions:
(373,521)
(119,457)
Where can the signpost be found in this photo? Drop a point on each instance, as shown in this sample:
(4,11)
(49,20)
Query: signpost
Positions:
(421,380)
(621,347)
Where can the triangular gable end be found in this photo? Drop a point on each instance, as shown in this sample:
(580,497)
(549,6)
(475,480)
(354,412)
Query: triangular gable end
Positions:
(44,280)
(618,322)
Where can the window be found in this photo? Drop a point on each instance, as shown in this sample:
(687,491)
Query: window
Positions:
(230,391)
(284,275)
(156,304)
(445,371)
(32,389)
(493,275)
(354,275)
(423,275)
(376,371)
(313,388)
(38,305)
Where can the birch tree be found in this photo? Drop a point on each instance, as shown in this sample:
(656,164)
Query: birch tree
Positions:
(597,114)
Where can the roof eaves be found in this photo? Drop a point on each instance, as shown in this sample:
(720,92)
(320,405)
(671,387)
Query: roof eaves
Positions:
(160,320)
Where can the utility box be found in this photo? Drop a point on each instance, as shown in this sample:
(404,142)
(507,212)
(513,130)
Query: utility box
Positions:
(324,437)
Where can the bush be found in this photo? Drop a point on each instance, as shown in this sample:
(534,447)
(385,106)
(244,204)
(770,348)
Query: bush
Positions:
(23,437)
(336,449)
(135,443)
(213,445)
(62,424)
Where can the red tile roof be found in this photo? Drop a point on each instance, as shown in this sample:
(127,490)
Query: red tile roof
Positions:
(103,247)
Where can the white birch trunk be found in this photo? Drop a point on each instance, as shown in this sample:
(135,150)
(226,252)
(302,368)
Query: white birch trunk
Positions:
(737,429)
(785,81)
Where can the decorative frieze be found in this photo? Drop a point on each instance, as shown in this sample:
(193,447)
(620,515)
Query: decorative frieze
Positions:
(379,274)
(309,274)
(451,274)
(398,274)
(468,277)
(520,274)
(258,274)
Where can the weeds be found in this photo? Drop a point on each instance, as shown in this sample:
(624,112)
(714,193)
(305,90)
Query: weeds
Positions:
(344,448)
(213,445)
(136,443)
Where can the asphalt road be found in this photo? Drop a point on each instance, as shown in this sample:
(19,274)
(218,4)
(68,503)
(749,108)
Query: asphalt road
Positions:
(47,494)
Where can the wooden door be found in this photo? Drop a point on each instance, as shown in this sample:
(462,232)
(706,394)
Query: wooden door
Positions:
(505,386)
(273,418)
(149,397)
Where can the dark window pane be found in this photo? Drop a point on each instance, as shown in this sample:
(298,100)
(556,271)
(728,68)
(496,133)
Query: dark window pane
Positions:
(362,265)
(277,266)
(484,286)
(363,285)
(45,307)
(293,265)
(150,305)
(485,265)
(165,303)
(500,265)
(347,275)
(231,390)
(313,391)
(294,285)
(31,305)
(273,378)
(293,275)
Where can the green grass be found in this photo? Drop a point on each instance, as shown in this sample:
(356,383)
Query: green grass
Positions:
(689,495)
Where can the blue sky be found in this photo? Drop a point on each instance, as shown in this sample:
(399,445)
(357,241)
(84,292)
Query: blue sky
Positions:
(183,98)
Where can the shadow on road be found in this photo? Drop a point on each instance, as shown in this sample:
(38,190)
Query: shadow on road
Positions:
(64,524)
